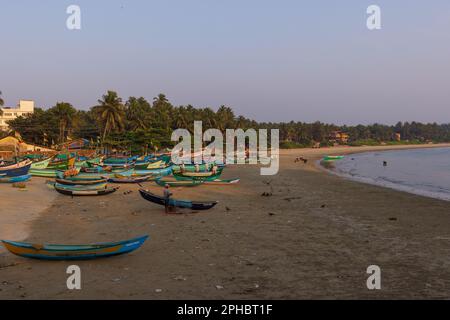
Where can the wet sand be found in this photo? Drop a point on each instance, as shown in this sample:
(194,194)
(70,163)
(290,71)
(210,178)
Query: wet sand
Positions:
(313,238)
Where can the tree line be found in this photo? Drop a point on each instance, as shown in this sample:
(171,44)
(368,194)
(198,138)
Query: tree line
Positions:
(137,123)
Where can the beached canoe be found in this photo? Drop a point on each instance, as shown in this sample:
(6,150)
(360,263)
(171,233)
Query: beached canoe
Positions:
(23,178)
(84,176)
(129,179)
(194,205)
(78,187)
(71,192)
(17,169)
(192,167)
(41,164)
(197,176)
(176,183)
(157,173)
(44,173)
(73,252)
(61,164)
(150,165)
(80,182)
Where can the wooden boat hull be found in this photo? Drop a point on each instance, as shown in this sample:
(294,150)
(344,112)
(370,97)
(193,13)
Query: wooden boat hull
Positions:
(150,165)
(176,183)
(180,176)
(157,173)
(15,179)
(73,252)
(40,164)
(63,164)
(16,170)
(129,179)
(77,187)
(194,205)
(80,182)
(81,193)
(44,173)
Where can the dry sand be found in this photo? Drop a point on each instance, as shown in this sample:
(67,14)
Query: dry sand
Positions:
(313,238)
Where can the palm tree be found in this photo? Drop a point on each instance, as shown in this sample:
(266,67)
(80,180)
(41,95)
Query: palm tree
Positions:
(225,118)
(1,103)
(65,113)
(138,112)
(110,113)
(162,111)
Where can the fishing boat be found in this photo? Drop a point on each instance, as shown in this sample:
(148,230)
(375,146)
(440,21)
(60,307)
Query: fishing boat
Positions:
(80,182)
(15,179)
(194,205)
(61,163)
(17,169)
(78,187)
(204,167)
(93,162)
(129,179)
(118,161)
(333,158)
(176,183)
(41,164)
(150,165)
(155,172)
(73,252)
(198,176)
(44,173)
(84,176)
(84,192)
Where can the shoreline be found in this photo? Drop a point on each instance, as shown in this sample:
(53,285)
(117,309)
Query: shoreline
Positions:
(387,185)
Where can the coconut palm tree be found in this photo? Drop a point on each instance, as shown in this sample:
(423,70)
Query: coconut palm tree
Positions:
(110,113)
(65,113)
(138,112)
(1,103)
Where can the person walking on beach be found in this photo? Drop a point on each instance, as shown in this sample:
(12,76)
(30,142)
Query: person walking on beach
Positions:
(167,195)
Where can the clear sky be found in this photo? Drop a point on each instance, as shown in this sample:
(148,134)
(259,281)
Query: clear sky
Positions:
(269,60)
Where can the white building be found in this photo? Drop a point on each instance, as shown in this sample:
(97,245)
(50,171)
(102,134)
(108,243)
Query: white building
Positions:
(9,113)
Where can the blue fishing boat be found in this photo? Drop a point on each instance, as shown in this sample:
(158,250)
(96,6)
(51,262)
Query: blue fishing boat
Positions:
(23,178)
(17,169)
(73,252)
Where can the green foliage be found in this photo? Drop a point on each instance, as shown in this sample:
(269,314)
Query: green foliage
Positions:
(138,125)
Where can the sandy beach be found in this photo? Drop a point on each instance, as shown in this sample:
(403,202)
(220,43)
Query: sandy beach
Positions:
(312,239)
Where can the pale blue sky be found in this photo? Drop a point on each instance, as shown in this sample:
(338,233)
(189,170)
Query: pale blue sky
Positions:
(269,60)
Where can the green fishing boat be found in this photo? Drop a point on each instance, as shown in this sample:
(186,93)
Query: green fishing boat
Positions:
(41,164)
(192,167)
(198,176)
(44,173)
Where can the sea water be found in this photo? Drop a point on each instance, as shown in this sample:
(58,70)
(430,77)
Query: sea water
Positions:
(419,171)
